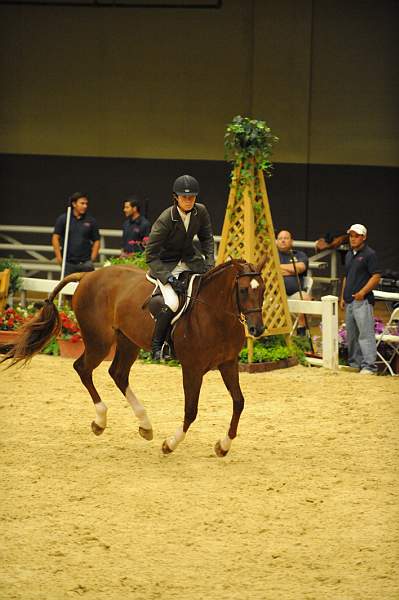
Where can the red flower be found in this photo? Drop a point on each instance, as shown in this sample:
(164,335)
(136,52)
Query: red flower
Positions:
(69,327)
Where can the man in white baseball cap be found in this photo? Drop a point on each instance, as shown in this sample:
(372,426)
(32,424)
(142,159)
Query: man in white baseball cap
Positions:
(358,228)
(362,275)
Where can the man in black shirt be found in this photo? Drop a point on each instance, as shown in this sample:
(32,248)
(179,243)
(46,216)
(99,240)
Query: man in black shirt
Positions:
(136,228)
(83,238)
(362,275)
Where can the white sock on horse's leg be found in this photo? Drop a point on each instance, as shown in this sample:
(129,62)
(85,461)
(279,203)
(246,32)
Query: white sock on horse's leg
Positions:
(174,440)
(138,409)
(101,414)
(226,443)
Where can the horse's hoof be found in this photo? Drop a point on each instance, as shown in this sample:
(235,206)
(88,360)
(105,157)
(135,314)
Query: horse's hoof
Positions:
(147,434)
(165,448)
(96,429)
(219,450)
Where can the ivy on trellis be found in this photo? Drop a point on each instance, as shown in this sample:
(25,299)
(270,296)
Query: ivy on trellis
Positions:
(248,228)
(248,145)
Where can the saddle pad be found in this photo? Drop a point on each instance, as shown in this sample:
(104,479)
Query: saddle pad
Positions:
(187,299)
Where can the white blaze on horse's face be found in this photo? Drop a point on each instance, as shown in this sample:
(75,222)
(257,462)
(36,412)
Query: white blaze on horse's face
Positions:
(254,284)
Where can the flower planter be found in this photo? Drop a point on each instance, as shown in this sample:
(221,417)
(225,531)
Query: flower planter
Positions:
(7,338)
(70,349)
(268,366)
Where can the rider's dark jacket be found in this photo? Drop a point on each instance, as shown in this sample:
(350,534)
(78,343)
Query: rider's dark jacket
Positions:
(169,242)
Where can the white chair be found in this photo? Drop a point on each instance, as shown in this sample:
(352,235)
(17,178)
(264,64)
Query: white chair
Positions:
(390,338)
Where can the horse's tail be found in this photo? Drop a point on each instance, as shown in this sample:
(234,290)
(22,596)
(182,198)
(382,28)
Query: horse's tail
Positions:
(37,332)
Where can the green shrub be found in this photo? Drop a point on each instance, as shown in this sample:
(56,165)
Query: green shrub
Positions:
(137,259)
(15,273)
(52,348)
(274,348)
(264,354)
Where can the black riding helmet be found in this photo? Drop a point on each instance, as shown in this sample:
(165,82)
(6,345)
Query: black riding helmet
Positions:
(186,185)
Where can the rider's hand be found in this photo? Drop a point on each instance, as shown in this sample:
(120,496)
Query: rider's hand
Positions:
(177,285)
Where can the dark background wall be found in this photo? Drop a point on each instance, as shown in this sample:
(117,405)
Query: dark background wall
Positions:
(113,100)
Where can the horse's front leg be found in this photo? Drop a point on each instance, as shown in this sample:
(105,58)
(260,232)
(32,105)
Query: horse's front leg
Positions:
(192,382)
(229,372)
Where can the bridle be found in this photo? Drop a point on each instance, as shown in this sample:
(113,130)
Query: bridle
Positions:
(243,312)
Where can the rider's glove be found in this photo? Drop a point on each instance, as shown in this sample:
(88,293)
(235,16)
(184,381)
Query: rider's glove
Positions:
(177,285)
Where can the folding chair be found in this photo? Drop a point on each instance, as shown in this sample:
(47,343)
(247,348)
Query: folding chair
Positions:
(4,285)
(390,339)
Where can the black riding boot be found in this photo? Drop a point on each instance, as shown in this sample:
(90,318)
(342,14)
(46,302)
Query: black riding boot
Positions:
(161,329)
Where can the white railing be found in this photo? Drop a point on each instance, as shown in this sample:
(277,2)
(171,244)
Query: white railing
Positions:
(43,286)
(38,263)
(327,308)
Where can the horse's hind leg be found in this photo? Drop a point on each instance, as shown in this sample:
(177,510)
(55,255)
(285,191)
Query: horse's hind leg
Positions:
(84,366)
(192,382)
(125,355)
(229,372)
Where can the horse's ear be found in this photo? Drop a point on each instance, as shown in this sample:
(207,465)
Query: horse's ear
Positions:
(261,263)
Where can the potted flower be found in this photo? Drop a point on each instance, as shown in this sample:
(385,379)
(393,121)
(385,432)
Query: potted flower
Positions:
(136,259)
(11,320)
(343,342)
(70,342)
(69,339)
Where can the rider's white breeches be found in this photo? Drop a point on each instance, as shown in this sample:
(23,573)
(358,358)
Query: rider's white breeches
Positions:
(169,296)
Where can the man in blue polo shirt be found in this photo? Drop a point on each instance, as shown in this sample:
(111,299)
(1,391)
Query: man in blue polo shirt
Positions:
(136,228)
(293,266)
(362,275)
(83,238)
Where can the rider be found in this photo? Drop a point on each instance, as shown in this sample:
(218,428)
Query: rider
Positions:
(170,251)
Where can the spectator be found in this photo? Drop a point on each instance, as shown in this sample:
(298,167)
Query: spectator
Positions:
(136,228)
(294,266)
(83,238)
(362,275)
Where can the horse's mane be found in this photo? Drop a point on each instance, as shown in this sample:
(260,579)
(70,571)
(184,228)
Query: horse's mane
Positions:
(222,267)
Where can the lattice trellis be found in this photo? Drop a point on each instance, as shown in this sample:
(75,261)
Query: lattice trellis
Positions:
(248,233)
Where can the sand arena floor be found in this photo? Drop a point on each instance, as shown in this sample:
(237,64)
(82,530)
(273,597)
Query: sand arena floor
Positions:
(305,506)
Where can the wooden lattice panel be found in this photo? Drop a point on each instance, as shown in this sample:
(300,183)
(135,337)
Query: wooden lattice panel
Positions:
(232,243)
(249,234)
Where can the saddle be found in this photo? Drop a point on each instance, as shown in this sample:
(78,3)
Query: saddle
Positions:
(155,302)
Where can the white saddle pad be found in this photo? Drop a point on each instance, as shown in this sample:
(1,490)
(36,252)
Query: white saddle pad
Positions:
(188,295)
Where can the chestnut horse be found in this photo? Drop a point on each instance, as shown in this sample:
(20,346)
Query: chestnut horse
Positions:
(110,308)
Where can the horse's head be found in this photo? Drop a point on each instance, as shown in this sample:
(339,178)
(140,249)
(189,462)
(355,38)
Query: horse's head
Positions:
(250,289)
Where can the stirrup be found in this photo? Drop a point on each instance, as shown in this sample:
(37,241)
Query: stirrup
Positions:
(167,352)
